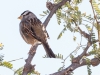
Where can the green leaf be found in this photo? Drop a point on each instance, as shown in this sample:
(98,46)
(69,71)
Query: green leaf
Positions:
(42,15)
(59,36)
(74,38)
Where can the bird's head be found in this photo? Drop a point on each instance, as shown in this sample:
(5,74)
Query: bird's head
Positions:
(26,14)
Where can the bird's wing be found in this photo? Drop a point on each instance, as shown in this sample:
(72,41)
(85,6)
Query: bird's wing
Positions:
(39,29)
(28,30)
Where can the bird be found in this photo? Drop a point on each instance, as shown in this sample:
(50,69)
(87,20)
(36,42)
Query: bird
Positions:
(33,31)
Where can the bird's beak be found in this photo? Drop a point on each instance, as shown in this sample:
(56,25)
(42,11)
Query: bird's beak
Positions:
(20,17)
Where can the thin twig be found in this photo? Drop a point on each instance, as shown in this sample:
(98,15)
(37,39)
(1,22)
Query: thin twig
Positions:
(87,21)
(15,60)
(73,51)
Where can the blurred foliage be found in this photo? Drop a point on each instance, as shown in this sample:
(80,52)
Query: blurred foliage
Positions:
(95,51)
(45,13)
(1,57)
(71,56)
(60,56)
(96,6)
(58,15)
(74,38)
(57,1)
(18,71)
(1,46)
(69,15)
(6,64)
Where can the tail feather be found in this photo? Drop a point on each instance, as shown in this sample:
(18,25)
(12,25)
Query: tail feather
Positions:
(48,50)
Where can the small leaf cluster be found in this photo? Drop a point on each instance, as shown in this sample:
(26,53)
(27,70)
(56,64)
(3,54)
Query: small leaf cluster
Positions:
(93,37)
(45,13)
(70,15)
(95,51)
(77,1)
(19,71)
(1,46)
(88,66)
(57,1)
(60,56)
(6,64)
(58,15)
(96,7)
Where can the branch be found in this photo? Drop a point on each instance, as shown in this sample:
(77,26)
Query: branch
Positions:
(78,61)
(69,69)
(28,67)
(73,66)
(75,63)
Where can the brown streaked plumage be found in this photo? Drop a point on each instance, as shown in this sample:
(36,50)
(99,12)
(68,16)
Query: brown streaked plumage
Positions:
(33,31)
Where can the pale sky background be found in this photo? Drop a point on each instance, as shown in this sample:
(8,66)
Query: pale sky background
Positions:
(15,47)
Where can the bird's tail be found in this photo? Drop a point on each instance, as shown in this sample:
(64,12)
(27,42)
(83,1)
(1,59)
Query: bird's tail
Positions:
(48,50)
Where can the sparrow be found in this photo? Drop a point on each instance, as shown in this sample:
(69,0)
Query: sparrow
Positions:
(33,31)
